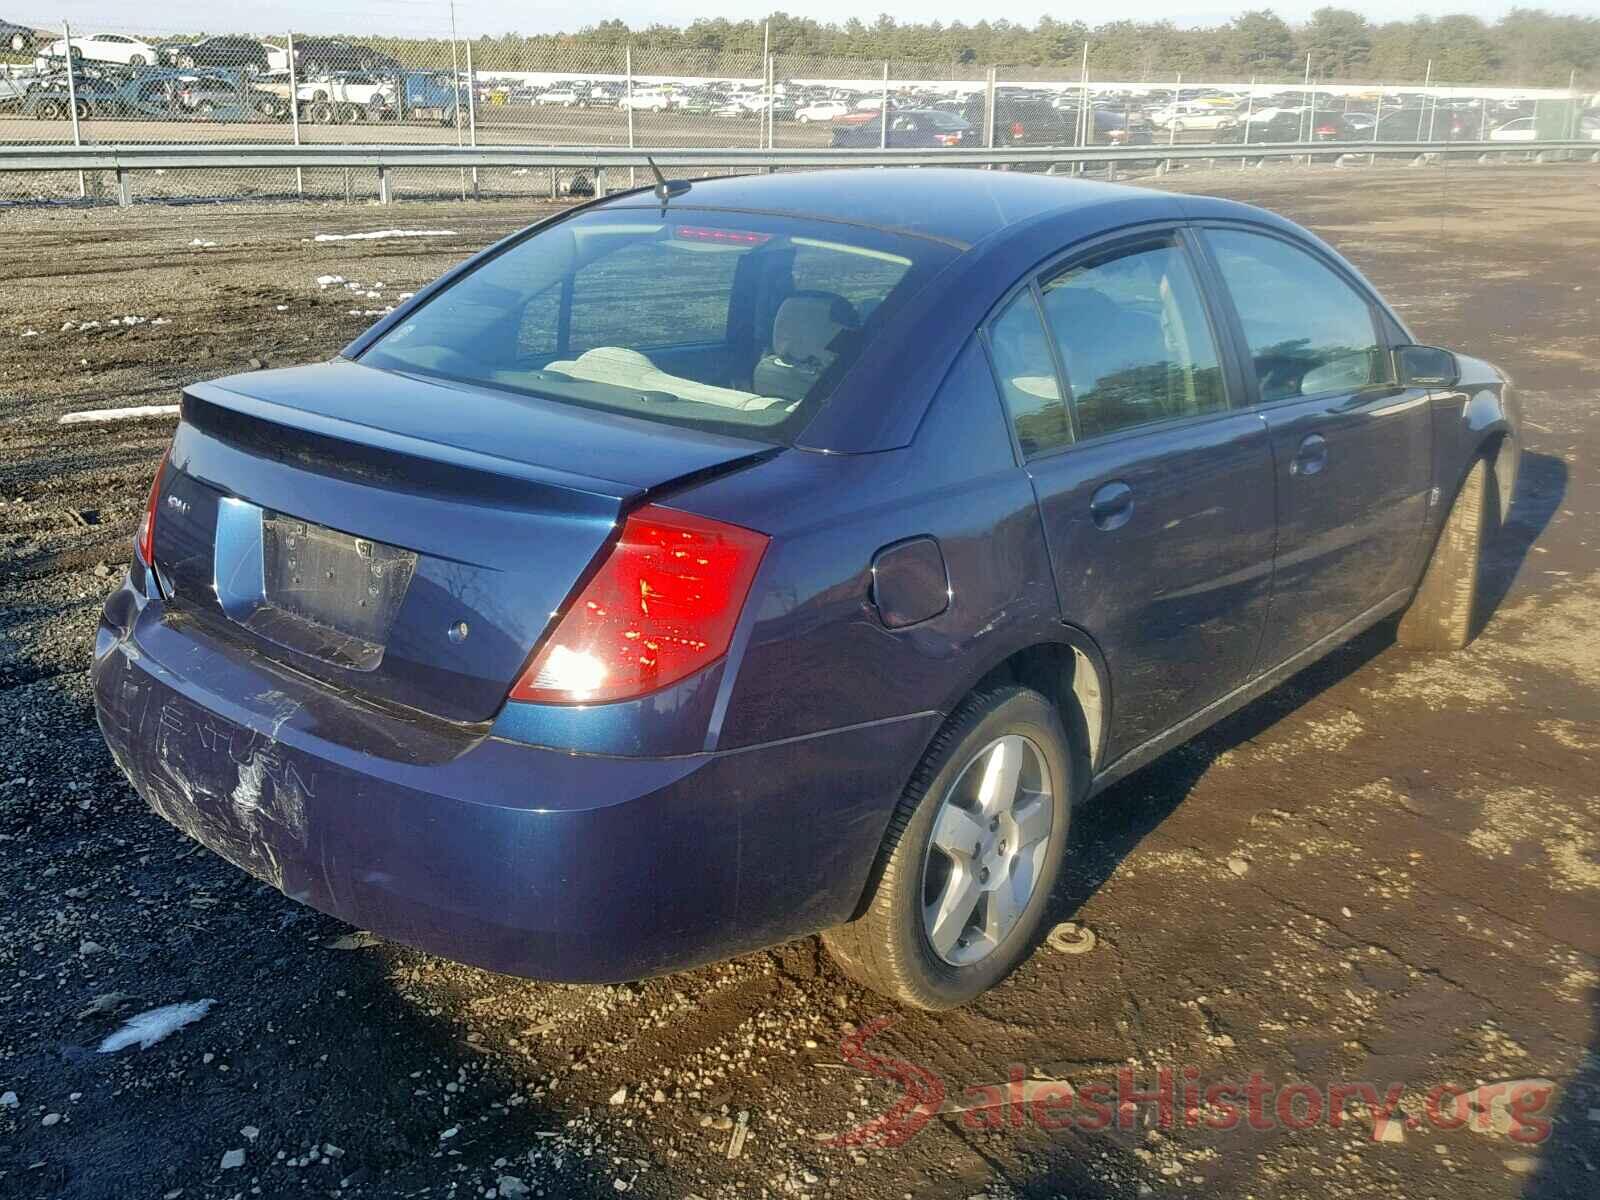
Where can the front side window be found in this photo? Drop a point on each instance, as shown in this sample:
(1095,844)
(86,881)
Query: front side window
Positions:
(1134,340)
(1309,332)
(734,323)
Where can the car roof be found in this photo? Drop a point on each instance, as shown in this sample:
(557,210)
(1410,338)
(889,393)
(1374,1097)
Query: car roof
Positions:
(962,206)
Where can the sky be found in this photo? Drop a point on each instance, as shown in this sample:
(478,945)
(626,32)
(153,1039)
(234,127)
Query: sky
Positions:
(474,17)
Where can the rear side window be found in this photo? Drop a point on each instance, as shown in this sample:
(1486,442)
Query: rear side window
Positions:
(1027,377)
(1134,339)
(1309,332)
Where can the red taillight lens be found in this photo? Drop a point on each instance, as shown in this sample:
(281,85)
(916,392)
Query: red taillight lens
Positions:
(662,606)
(145,543)
(1016,129)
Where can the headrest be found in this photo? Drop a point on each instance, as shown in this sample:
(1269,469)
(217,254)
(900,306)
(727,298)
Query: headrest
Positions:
(806,325)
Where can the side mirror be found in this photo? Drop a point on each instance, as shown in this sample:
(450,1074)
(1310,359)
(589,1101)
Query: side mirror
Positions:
(1426,366)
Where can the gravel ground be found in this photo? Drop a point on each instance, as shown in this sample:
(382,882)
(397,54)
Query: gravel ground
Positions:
(1387,870)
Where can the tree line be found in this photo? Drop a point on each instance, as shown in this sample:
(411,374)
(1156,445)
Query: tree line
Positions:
(1526,46)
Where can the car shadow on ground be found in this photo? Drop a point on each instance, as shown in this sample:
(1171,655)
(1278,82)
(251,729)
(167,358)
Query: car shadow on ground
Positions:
(1111,827)
(1569,1159)
(1108,829)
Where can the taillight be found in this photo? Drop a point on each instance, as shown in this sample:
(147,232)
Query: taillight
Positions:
(145,543)
(662,606)
(1016,129)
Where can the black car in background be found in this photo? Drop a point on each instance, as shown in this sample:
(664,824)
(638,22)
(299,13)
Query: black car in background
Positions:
(332,54)
(1291,125)
(1034,122)
(240,53)
(909,129)
(1426,124)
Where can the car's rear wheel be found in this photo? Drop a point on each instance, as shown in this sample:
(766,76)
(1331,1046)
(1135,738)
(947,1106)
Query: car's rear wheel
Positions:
(136,60)
(1443,613)
(971,856)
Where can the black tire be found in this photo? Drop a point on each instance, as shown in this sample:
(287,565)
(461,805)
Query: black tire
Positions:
(375,110)
(186,61)
(887,948)
(82,109)
(136,60)
(1443,614)
(48,110)
(321,112)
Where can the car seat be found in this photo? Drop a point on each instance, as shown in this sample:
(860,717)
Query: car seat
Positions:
(805,336)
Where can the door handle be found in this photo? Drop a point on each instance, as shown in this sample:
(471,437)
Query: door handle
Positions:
(1312,456)
(1111,506)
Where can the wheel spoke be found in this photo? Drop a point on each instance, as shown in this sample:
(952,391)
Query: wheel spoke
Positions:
(949,914)
(957,832)
(1001,910)
(1033,819)
(998,789)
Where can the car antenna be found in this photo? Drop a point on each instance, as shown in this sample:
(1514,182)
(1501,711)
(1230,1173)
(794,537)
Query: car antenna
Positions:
(666,188)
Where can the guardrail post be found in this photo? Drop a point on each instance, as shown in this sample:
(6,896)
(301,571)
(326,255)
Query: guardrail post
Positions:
(383,185)
(124,192)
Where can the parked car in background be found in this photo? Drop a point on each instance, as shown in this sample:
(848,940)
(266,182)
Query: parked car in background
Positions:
(237,53)
(1520,130)
(821,110)
(647,100)
(699,570)
(1197,115)
(16,38)
(562,98)
(1042,123)
(332,56)
(1424,124)
(909,128)
(1291,125)
(103,48)
(50,97)
(698,101)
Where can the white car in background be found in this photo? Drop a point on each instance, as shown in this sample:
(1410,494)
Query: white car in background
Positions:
(277,56)
(562,97)
(1193,115)
(1520,130)
(821,110)
(104,47)
(647,100)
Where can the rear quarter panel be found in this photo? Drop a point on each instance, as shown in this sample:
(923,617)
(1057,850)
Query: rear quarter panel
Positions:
(817,656)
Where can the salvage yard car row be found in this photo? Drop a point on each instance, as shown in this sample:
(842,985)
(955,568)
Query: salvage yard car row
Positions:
(235,78)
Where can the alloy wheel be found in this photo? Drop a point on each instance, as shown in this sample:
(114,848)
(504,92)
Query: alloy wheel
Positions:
(988,846)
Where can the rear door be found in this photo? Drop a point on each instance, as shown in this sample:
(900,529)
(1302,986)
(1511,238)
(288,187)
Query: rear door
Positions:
(1156,496)
(1352,449)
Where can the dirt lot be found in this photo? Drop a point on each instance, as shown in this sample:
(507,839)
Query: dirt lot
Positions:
(1388,870)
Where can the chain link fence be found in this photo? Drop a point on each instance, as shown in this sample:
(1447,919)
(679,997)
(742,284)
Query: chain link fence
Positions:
(121,86)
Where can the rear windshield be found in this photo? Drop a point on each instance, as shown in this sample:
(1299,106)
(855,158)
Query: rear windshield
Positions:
(730,322)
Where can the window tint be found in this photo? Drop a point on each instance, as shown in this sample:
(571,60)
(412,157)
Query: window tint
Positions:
(1308,330)
(652,293)
(1134,340)
(1027,375)
(740,323)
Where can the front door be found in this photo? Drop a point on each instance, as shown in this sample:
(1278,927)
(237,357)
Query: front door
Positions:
(1352,449)
(1156,498)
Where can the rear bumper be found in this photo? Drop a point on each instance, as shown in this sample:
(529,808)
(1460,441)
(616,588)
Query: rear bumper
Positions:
(525,860)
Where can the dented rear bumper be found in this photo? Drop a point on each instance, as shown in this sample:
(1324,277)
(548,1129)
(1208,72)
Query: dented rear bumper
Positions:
(522,859)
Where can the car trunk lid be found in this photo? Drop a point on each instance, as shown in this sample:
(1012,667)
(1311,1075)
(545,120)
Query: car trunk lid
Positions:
(402,539)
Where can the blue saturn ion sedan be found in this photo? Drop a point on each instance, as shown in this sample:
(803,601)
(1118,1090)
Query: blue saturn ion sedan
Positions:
(709,566)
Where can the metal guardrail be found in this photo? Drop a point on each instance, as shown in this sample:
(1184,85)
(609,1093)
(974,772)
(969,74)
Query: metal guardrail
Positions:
(122,160)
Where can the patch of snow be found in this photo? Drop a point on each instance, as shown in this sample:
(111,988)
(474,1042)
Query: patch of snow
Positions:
(324,281)
(281,307)
(379,234)
(28,333)
(405,295)
(201,242)
(148,1028)
(118,414)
